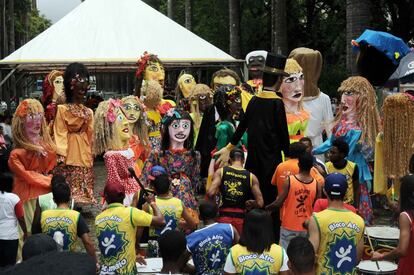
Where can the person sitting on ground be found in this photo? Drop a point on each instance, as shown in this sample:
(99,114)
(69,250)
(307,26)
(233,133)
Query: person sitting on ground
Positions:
(337,234)
(172,208)
(11,214)
(338,163)
(210,245)
(301,256)
(116,228)
(319,165)
(237,187)
(256,252)
(63,224)
(405,249)
(172,248)
(299,192)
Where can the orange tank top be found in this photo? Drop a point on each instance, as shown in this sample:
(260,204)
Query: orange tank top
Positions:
(298,205)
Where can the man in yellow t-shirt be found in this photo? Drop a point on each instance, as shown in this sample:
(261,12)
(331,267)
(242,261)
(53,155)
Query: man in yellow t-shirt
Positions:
(336,233)
(115,231)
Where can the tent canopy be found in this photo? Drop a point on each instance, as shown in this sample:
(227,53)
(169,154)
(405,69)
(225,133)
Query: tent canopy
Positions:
(113,34)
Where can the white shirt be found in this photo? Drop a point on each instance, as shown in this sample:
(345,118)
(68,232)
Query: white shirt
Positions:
(230,268)
(8,220)
(7,131)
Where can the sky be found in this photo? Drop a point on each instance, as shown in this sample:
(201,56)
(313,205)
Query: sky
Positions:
(56,9)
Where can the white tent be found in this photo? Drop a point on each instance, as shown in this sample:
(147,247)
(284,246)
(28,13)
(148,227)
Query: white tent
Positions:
(114,33)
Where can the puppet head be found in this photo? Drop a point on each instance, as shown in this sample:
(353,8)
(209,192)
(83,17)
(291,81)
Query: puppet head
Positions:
(178,130)
(358,103)
(150,67)
(152,94)
(311,62)
(29,127)
(227,100)
(135,111)
(53,88)
(76,83)
(224,77)
(255,62)
(185,84)
(292,85)
(111,127)
(201,98)
(398,133)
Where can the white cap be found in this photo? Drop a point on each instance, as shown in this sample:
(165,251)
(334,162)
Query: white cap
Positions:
(256,53)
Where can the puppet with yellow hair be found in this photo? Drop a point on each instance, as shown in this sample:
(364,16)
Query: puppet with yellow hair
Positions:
(357,123)
(292,96)
(112,136)
(185,83)
(135,111)
(33,157)
(201,98)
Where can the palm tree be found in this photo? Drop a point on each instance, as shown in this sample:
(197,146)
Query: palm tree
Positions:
(234,19)
(279,29)
(358,18)
(170,9)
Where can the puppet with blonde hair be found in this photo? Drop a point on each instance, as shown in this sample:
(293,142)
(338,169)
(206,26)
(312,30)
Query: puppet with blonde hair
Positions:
(33,157)
(292,95)
(53,95)
(185,84)
(357,123)
(201,98)
(135,111)
(112,137)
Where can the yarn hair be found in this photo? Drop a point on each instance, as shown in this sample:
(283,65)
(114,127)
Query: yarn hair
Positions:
(140,127)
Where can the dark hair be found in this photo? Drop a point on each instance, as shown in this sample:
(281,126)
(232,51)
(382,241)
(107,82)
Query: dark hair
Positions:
(165,142)
(411,165)
(305,139)
(61,193)
(269,80)
(301,254)
(296,149)
(305,161)
(208,210)
(70,72)
(223,73)
(407,194)
(220,100)
(6,182)
(342,146)
(236,153)
(172,244)
(38,244)
(56,179)
(257,235)
(161,184)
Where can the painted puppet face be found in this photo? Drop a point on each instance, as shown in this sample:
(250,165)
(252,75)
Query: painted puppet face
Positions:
(218,81)
(58,86)
(292,87)
(204,101)
(179,130)
(132,110)
(235,108)
(155,71)
(255,65)
(186,83)
(348,103)
(121,129)
(80,86)
(33,125)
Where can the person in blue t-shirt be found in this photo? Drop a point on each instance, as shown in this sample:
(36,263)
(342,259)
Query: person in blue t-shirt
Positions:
(210,245)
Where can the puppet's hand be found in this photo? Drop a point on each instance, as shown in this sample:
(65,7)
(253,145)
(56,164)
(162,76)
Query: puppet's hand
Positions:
(223,155)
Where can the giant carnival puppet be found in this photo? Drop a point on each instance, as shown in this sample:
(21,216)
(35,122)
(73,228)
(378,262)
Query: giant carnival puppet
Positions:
(112,137)
(139,142)
(201,98)
(255,62)
(185,83)
(33,157)
(357,123)
(292,94)
(178,158)
(73,133)
(53,95)
(315,101)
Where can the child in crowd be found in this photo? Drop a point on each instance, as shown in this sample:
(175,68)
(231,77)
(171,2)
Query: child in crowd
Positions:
(301,256)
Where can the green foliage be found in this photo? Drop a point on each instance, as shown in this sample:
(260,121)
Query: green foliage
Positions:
(38,23)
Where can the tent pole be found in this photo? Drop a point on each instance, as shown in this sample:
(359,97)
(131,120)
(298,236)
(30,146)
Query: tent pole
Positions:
(7,76)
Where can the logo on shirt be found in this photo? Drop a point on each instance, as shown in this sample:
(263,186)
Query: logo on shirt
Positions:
(171,223)
(255,269)
(61,236)
(340,256)
(112,242)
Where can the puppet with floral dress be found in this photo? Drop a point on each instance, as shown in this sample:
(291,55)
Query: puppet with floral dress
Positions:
(112,137)
(178,158)
(357,123)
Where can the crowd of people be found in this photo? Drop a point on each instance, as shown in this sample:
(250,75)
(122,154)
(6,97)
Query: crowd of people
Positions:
(231,175)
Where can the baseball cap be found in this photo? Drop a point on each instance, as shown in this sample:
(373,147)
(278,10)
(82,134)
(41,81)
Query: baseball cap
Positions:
(113,191)
(156,171)
(336,184)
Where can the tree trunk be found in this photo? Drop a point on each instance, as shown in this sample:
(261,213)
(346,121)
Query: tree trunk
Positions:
(279,30)
(358,18)
(12,45)
(4,31)
(234,18)
(188,14)
(34,5)
(170,9)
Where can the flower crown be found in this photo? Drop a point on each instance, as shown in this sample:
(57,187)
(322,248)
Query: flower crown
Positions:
(232,95)
(170,115)
(113,103)
(142,63)
(22,109)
